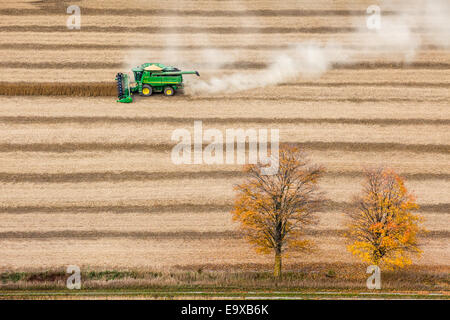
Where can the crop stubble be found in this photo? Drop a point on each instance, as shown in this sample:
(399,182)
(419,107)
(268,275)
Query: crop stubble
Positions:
(87,181)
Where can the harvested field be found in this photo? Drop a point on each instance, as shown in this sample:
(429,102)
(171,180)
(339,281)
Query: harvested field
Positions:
(87,181)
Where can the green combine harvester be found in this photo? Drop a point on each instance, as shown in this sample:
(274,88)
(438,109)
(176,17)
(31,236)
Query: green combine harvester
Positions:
(150,78)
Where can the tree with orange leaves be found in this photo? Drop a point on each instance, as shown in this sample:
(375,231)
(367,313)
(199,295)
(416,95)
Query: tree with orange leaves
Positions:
(382,228)
(273,209)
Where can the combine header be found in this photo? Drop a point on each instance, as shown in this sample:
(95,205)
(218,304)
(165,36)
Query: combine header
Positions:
(150,78)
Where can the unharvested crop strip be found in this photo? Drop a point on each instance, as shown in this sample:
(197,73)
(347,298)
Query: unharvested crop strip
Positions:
(81,65)
(57,9)
(121,208)
(369,84)
(161,235)
(110,176)
(443,208)
(163,147)
(245,65)
(181,29)
(81,89)
(60,65)
(97,46)
(185,235)
(174,120)
(116,209)
(317,99)
(393,65)
(98,89)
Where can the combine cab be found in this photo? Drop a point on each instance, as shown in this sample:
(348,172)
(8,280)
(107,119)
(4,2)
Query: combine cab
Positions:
(150,78)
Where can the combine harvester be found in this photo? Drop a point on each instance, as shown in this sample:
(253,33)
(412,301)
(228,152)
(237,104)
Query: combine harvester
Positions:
(150,78)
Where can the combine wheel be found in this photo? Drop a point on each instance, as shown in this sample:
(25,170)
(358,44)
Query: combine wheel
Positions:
(168,91)
(147,90)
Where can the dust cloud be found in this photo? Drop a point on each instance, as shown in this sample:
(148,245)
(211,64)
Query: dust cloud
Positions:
(399,38)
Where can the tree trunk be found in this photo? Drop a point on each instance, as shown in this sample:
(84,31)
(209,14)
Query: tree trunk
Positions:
(277,267)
